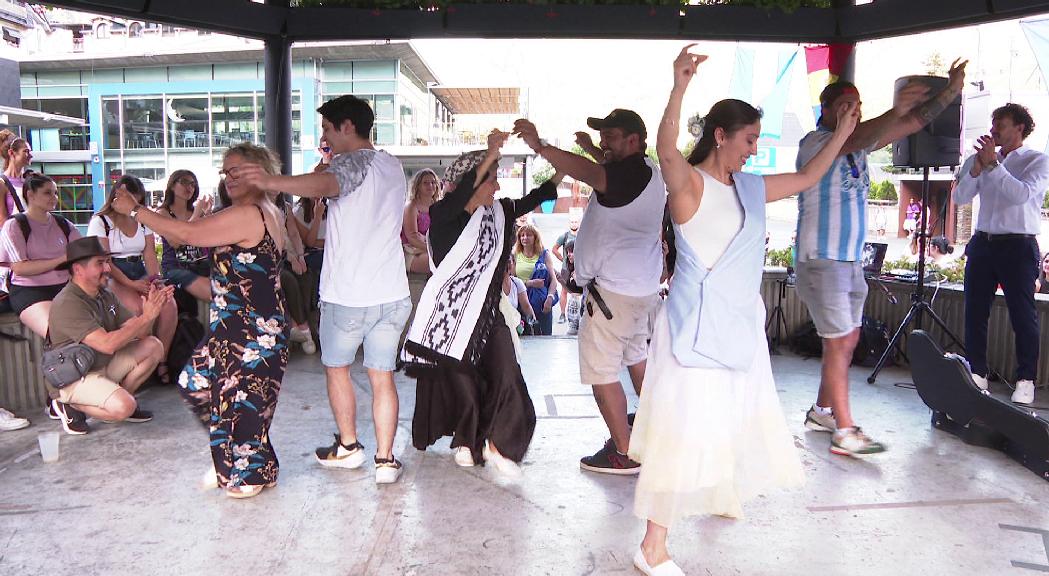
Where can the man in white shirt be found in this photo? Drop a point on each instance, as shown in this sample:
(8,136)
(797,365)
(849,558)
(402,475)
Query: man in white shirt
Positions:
(1004,249)
(364,288)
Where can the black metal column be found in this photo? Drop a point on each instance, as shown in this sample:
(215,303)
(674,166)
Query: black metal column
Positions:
(277,61)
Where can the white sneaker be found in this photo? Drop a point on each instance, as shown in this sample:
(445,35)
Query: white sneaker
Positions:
(338,455)
(464,457)
(9,421)
(308,347)
(503,465)
(387,471)
(853,442)
(981,381)
(299,335)
(1024,393)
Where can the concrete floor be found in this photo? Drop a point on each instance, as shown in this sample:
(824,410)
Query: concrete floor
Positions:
(125,498)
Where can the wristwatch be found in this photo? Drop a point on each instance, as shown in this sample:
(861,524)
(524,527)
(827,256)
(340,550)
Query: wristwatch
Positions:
(542,144)
(994,164)
(134,212)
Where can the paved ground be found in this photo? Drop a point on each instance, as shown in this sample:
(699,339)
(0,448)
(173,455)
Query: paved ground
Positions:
(125,498)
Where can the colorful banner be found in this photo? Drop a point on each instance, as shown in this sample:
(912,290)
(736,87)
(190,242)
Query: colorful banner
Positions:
(825,64)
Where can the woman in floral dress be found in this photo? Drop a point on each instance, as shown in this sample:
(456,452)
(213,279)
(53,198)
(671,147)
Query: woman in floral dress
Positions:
(233,378)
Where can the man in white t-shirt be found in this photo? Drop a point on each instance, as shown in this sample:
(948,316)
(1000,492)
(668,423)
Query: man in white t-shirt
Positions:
(364,288)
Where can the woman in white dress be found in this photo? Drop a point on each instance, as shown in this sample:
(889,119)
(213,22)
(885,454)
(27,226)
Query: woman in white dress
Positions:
(709,430)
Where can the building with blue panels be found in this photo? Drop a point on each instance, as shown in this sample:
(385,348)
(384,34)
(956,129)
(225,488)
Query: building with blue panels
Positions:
(148,114)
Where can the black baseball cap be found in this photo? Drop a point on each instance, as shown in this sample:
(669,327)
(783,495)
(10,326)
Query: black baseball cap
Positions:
(626,120)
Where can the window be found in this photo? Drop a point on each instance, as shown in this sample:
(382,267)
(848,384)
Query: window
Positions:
(111,123)
(75,196)
(232,119)
(143,123)
(187,121)
(296,118)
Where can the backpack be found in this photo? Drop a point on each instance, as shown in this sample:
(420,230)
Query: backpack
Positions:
(188,334)
(23,224)
(874,339)
(806,341)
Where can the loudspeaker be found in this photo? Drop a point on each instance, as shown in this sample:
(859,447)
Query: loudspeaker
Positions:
(939,143)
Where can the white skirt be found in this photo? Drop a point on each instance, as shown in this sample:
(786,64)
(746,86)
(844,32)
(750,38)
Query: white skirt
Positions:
(708,439)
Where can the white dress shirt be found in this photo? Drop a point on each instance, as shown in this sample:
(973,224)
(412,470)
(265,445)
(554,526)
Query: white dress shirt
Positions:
(1010,195)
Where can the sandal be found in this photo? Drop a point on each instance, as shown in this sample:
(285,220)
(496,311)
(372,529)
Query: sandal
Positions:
(247,490)
(162,373)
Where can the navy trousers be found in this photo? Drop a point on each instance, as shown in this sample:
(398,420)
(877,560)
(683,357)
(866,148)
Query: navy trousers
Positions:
(1013,263)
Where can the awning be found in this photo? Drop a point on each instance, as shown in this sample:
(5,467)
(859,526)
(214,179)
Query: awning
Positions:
(480,100)
(10,116)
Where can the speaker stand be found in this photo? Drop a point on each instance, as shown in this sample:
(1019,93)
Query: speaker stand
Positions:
(919,306)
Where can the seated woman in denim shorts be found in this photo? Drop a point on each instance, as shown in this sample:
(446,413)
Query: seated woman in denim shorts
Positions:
(184,266)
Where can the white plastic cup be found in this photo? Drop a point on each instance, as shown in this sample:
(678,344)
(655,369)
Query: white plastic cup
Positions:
(48,445)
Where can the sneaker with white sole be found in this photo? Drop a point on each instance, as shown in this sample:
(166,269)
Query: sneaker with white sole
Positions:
(9,421)
(309,347)
(339,455)
(464,457)
(73,421)
(1024,393)
(299,335)
(819,422)
(387,470)
(853,442)
(980,381)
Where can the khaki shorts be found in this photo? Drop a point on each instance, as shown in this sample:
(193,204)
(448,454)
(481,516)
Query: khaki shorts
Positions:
(606,346)
(834,293)
(96,387)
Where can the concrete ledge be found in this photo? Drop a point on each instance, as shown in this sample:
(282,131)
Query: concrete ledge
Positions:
(21,382)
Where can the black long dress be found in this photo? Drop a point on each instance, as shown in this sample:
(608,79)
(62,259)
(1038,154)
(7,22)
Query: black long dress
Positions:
(485,398)
(233,378)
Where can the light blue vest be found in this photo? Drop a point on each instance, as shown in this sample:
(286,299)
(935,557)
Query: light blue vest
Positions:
(711,312)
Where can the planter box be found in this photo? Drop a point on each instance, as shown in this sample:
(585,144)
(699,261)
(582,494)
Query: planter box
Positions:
(335,23)
(562,21)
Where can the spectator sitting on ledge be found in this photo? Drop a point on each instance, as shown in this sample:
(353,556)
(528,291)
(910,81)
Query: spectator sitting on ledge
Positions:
(87,312)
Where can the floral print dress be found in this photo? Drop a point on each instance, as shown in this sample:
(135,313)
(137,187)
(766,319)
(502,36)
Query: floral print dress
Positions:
(232,380)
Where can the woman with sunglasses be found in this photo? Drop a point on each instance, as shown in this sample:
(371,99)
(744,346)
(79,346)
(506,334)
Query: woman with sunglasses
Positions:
(135,267)
(184,265)
(233,379)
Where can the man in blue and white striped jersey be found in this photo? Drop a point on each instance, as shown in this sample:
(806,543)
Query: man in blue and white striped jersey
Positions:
(832,228)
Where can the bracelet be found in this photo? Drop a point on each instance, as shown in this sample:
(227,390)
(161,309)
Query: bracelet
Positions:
(134,212)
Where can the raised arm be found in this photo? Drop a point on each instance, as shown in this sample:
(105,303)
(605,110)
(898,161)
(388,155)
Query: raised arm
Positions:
(564,162)
(684,185)
(545,191)
(928,110)
(584,141)
(779,186)
(312,185)
(234,225)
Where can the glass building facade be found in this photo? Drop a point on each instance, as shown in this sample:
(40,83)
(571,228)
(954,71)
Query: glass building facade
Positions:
(150,121)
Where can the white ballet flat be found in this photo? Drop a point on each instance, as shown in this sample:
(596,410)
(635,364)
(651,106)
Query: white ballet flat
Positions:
(668,568)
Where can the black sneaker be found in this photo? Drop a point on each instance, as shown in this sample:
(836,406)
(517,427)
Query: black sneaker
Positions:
(608,461)
(73,421)
(139,415)
(49,411)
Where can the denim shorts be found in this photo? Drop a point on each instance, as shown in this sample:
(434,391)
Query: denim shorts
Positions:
(834,292)
(132,268)
(181,277)
(343,329)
